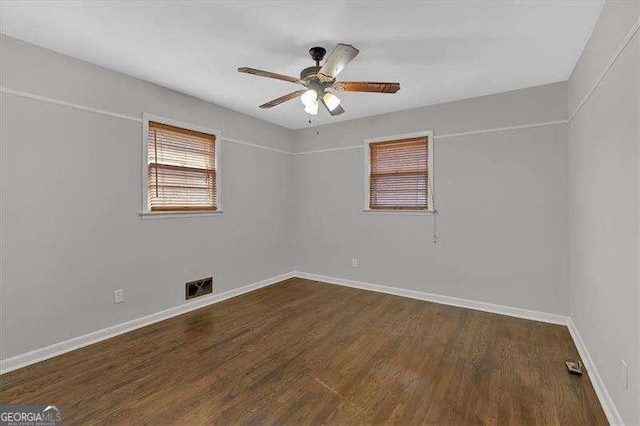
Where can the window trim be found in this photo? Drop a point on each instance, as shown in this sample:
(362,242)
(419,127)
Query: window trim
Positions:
(145,213)
(367,174)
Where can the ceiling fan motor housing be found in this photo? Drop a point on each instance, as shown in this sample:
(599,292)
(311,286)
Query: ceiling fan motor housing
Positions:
(307,73)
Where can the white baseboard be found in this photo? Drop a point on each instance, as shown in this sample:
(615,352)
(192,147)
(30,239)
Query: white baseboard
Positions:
(598,385)
(445,300)
(23,360)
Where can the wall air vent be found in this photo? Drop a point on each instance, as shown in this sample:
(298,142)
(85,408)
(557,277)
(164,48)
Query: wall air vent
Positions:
(198,288)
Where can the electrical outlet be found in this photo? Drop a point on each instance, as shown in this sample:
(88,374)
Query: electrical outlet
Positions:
(625,374)
(118,296)
(354,263)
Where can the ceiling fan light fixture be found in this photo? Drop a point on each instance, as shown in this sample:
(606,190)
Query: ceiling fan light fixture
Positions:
(309,97)
(331,101)
(317,79)
(312,109)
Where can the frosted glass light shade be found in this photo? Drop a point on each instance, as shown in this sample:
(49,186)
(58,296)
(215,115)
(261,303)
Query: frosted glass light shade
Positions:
(312,109)
(331,101)
(309,97)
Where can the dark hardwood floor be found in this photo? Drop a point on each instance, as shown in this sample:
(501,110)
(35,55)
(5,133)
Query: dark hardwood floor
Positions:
(302,352)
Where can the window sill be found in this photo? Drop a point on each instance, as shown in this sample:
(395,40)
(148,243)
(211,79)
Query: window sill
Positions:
(178,215)
(400,212)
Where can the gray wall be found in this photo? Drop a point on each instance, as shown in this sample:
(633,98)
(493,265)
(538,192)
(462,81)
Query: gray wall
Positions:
(501,197)
(604,141)
(71,194)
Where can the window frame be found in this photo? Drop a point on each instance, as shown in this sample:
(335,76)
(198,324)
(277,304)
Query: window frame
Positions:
(367,174)
(145,213)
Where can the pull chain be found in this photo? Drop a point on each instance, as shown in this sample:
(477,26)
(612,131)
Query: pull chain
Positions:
(317,122)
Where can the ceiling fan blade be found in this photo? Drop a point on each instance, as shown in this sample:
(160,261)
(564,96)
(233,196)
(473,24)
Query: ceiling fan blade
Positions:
(268,74)
(336,111)
(367,86)
(337,60)
(282,99)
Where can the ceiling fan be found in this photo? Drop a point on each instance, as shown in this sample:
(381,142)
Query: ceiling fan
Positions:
(318,79)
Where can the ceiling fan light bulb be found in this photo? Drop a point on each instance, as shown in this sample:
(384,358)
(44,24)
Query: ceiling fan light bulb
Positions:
(312,109)
(331,101)
(309,97)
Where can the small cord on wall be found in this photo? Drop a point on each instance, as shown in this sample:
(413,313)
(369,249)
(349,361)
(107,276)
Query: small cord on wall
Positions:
(435,226)
(432,196)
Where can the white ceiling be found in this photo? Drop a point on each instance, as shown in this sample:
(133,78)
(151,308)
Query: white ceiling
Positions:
(438,51)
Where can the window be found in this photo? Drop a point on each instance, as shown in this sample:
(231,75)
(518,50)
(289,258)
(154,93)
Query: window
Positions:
(398,173)
(181,173)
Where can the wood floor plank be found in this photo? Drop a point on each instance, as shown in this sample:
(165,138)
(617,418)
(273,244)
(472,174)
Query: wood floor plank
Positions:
(303,352)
